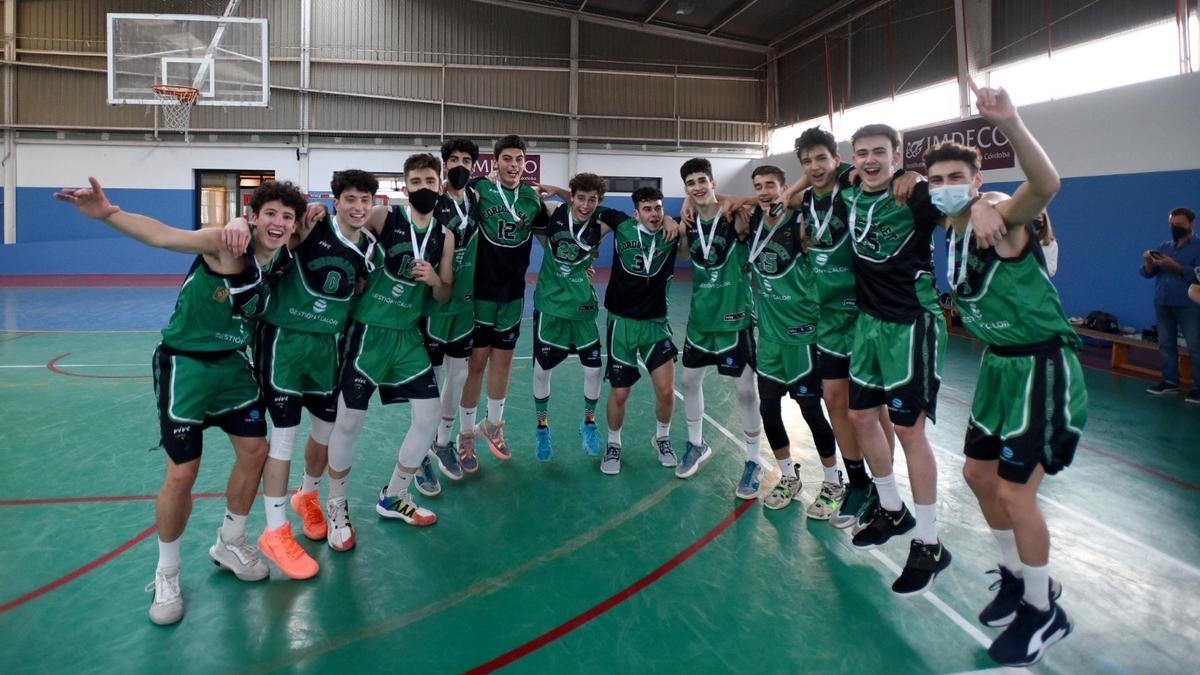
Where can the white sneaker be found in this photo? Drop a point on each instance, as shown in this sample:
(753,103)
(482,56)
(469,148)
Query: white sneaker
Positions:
(167,606)
(827,502)
(341,532)
(238,557)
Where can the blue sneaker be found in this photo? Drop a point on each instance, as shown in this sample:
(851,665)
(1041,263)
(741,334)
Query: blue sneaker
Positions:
(591,438)
(693,457)
(544,450)
(447,459)
(751,480)
(427,480)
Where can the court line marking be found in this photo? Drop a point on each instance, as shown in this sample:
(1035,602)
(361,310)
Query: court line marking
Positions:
(52,366)
(40,501)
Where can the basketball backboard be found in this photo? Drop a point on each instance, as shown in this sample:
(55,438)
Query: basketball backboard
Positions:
(224,57)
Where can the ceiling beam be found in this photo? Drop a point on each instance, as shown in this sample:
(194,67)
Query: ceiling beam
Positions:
(628,24)
(657,9)
(829,28)
(813,21)
(745,6)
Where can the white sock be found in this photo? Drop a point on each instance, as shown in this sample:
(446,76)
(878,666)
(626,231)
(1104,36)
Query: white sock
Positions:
(398,485)
(1009,557)
(233,526)
(926,531)
(168,554)
(495,410)
(754,448)
(310,483)
(787,468)
(662,429)
(444,429)
(1037,586)
(466,420)
(889,495)
(614,436)
(337,487)
(831,474)
(276,515)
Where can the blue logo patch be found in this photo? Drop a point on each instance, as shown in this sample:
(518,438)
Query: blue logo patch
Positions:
(1006,452)
(729,360)
(254,415)
(897,403)
(803,390)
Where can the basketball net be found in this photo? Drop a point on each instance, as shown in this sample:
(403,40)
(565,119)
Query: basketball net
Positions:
(177,102)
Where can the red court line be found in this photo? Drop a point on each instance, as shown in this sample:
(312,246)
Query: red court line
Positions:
(90,280)
(97,500)
(67,578)
(52,367)
(626,593)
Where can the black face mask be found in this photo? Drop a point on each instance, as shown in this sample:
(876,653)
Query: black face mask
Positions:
(458,177)
(423,200)
(1180,232)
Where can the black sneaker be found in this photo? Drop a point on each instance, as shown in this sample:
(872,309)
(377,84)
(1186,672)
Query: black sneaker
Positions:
(925,561)
(1163,387)
(1193,396)
(1031,633)
(1011,589)
(883,525)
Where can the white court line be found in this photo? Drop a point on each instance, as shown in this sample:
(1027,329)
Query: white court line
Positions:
(1002,670)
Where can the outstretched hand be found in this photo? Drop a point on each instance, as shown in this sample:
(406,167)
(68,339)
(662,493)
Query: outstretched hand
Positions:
(91,202)
(994,104)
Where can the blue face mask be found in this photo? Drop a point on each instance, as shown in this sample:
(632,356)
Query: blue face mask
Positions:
(951,199)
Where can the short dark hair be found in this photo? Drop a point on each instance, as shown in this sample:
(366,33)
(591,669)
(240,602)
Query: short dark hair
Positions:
(645,194)
(460,145)
(283,191)
(877,130)
(588,182)
(507,143)
(949,151)
(815,137)
(696,165)
(422,160)
(768,170)
(353,178)
(1185,212)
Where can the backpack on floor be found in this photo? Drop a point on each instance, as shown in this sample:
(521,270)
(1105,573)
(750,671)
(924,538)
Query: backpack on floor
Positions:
(1103,322)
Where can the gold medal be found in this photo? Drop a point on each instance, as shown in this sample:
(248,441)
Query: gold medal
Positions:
(221,294)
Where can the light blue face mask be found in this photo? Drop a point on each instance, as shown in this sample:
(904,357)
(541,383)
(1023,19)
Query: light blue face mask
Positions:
(951,199)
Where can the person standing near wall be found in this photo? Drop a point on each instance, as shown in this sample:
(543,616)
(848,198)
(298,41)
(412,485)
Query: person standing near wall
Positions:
(1172,265)
(1045,235)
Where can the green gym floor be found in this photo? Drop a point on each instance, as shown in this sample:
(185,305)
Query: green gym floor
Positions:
(553,567)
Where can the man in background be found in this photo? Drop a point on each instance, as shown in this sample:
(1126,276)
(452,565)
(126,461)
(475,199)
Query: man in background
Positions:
(1172,266)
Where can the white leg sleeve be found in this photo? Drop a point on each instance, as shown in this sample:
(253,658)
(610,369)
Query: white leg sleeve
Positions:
(320,430)
(693,401)
(592,378)
(420,432)
(747,396)
(283,440)
(344,436)
(541,381)
(456,377)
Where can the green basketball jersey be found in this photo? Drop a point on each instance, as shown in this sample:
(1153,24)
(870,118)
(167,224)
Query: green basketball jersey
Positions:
(643,266)
(393,299)
(786,283)
(721,299)
(204,319)
(315,294)
(893,248)
(831,253)
(460,218)
(1007,302)
(507,219)
(563,287)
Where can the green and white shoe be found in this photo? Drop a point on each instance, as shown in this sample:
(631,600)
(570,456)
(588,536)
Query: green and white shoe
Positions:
(784,492)
(828,500)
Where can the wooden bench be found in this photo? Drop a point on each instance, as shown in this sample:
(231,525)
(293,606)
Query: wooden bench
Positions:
(1121,344)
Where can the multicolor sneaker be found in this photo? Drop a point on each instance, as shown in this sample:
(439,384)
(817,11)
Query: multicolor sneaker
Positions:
(666,452)
(828,500)
(751,480)
(591,438)
(167,606)
(693,457)
(785,491)
(611,464)
(1031,633)
(494,435)
(543,448)
(427,480)
(341,532)
(925,562)
(867,512)
(238,557)
(1010,593)
(280,547)
(403,508)
(467,458)
(882,525)
(447,460)
(852,505)
(312,516)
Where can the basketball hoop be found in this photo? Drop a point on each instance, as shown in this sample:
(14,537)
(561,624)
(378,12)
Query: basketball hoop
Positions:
(177,102)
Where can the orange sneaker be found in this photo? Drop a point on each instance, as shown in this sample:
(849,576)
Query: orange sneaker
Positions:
(280,547)
(313,516)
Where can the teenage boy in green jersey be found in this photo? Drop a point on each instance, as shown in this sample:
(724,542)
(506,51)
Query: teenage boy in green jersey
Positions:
(202,376)
(449,327)
(1030,401)
(638,331)
(786,348)
(719,329)
(509,213)
(385,350)
(296,348)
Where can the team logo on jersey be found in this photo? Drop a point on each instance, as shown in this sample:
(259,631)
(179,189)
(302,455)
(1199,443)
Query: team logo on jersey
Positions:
(221,294)
(332,281)
(822,258)
(765,284)
(712,276)
(803,389)
(254,416)
(1006,453)
(397,290)
(897,404)
(564,270)
(319,306)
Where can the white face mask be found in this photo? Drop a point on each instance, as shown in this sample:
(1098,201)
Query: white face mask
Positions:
(951,199)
